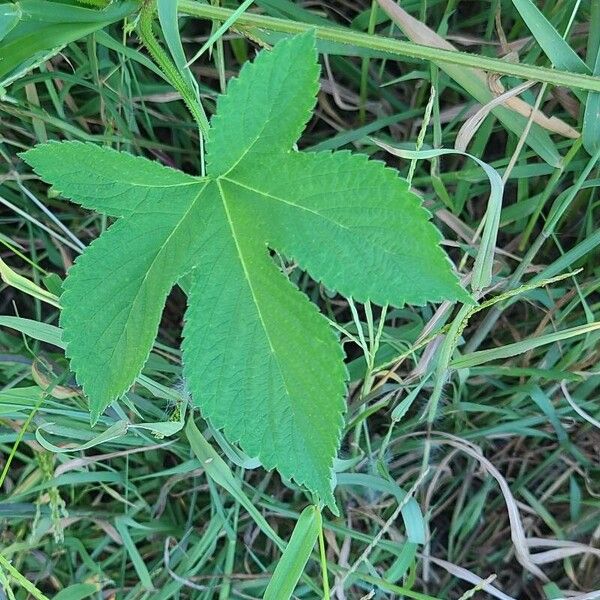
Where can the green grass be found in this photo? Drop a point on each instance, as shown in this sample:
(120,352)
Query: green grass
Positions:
(471,452)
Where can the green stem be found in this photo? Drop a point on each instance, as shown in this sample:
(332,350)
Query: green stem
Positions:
(169,69)
(548,190)
(20,436)
(396,47)
(561,206)
(364,71)
(24,583)
(445,355)
(323,557)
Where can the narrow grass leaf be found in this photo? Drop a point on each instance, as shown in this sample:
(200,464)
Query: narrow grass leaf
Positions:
(294,558)
(163,429)
(114,432)
(564,200)
(510,350)
(45,28)
(167,16)
(411,513)
(103,38)
(402,563)
(21,581)
(136,558)
(545,404)
(220,31)
(569,258)
(12,278)
(591,117)
(77,591)
(402,408)
(216,468)
(38,330)
(398,591)
(555,47)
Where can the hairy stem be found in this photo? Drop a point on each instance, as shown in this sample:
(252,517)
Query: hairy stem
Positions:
(395,47)
(169,69)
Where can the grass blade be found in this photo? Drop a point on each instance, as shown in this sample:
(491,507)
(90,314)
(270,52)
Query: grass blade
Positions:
(167,15)
(138,562)
(591,117)
(217,469)
(291,564)
(551,42)
(44,332)
(77,591)
(483,356)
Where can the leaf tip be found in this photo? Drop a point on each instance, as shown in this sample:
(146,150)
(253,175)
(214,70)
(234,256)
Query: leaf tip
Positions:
(331,504)
(464,296)
(95,413)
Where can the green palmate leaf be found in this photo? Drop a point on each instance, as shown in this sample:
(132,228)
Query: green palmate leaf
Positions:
(260,360)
